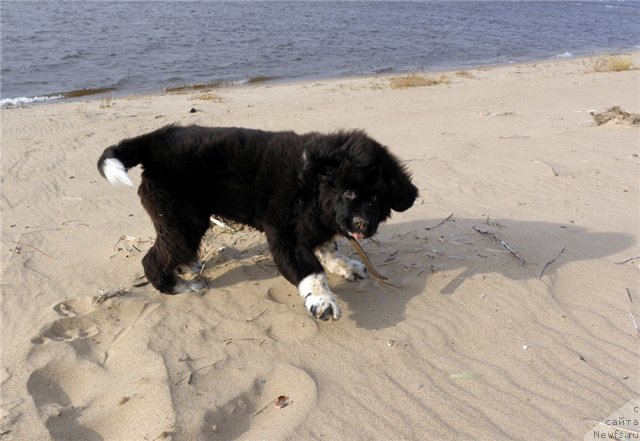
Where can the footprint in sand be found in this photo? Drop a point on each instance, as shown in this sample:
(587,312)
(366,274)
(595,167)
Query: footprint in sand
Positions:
(75,307)
(284,294)
(75,325)
(253,413)
(68,329)
(288,326)
(92,386)
(80,319)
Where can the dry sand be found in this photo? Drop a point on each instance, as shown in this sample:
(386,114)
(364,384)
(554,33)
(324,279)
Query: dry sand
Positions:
(475,346)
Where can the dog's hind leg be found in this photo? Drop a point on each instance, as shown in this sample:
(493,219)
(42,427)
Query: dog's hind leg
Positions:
(159,268)
(163,260)
(179,227)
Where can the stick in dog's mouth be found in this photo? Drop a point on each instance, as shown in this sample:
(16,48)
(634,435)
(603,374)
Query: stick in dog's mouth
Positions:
(365,259)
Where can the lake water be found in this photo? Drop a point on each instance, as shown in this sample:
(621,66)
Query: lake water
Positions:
(50,48)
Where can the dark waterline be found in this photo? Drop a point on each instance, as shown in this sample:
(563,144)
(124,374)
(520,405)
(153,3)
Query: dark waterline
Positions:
(54,48)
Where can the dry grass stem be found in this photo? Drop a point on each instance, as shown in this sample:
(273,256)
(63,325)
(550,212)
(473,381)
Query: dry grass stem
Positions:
(628,260)
(550,262)
(106,102)
(18,243)
(440,223)
(635,324)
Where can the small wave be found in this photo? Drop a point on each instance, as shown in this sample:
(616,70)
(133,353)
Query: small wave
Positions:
(384,70)
(219,83)
(565,55)
(24,101)
(260,79)
(85,92)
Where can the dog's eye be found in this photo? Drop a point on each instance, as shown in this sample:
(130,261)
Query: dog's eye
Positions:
(349,194)
(373,200)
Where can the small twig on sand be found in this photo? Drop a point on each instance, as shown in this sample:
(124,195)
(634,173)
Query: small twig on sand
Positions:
(263,409)
(504,244)
(221,224)
(109,294)
(635,324)
(440,223)
(17,242)
(553,170)
(252,319)
(628,260)
(514,137)
(629,295)
(192,374)
(550,262)
(13,251)
(280,402)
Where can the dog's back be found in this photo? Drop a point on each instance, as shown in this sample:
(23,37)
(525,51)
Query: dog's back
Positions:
(195,151)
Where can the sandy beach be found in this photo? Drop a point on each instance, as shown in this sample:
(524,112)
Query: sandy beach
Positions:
(474,344)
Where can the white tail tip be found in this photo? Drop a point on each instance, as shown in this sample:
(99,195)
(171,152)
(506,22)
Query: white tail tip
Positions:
(115,172)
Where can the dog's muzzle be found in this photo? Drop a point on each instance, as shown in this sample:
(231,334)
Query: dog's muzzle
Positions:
(360,228)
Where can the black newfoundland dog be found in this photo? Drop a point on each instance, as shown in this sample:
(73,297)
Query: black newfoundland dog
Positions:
(300,190)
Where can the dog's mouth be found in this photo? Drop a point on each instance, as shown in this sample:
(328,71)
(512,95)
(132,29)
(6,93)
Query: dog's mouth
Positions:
(360,229)
(358,236)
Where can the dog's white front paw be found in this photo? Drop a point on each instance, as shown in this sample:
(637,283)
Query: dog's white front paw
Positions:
(318,298)
(353,269)
(182,286)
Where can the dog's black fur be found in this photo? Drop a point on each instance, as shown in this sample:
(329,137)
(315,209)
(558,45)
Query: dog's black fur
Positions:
(301,190)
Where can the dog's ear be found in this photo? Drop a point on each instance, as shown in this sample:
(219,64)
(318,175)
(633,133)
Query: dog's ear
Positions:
(318,170)
(320,161)
(402,192)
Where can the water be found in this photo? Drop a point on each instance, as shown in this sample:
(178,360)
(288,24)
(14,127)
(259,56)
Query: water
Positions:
(51,49)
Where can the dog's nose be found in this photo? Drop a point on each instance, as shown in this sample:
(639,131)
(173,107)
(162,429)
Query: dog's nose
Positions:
(360,223)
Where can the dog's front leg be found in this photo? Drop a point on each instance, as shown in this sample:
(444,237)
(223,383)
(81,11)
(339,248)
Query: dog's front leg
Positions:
(299,265)
(336,263)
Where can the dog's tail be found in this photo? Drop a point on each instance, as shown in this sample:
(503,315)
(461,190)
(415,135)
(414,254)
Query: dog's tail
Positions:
(117,159)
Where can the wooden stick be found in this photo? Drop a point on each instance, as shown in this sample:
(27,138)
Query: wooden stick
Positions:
(365,259)
(550,262)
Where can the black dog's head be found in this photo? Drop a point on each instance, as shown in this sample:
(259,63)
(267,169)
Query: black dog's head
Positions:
(359,180)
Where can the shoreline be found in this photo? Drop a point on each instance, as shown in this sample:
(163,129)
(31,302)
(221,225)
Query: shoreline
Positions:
(114,92)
